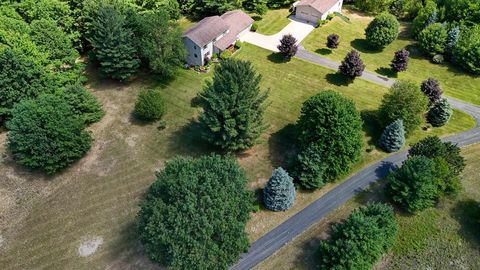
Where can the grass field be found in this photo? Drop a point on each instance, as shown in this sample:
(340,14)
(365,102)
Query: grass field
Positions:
(445,237)
(45,219)
(455,82)
(273,21)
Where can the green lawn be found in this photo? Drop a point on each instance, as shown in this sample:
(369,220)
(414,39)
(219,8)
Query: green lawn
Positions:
(455,81)
(98,196)
(272,22)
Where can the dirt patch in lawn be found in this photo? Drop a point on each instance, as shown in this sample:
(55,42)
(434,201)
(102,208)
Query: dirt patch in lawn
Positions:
(89,247)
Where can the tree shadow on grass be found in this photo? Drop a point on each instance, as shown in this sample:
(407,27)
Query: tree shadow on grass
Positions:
(467,213)
(371,126)
(323,51)
(388,72)
(338,79)
(277,58)
(282,146)
(363,46)
(188,141)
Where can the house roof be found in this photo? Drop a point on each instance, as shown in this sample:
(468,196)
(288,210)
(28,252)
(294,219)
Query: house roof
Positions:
(206,30)
(320,5)
(237,21)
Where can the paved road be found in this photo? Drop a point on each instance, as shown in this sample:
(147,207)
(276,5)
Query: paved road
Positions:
(294,226)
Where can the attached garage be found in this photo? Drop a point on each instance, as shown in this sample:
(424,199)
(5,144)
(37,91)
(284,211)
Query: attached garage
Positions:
(314,10)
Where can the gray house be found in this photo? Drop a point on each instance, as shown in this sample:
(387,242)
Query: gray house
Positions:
(214,34)
(314,10)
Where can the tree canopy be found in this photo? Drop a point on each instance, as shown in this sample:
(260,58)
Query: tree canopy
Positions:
(383,30)
(194,214)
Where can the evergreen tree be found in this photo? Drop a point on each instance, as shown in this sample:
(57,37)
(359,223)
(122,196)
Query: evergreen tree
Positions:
(431,88)
(113,44)
(352,66)
(279,193)
(393,137)
(440,113)
(288,46)
(400,60)
(333,40)
(233,106)
(452,39)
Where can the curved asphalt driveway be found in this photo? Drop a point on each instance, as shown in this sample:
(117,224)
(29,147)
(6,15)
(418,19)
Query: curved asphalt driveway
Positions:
(281,235)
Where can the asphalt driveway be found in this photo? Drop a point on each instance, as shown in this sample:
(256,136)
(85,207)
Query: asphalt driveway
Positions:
(299,29)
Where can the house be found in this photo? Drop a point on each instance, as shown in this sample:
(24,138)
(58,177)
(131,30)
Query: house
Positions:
(214,34)
(314,10)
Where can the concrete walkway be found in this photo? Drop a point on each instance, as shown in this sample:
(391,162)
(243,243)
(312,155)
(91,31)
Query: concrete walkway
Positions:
(299,29)
(312,214)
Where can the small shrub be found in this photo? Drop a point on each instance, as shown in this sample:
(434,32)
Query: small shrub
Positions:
(288,46)
(431,89)
(440,113)
(433,39)
(279,193)
(225,55)
(333,40)
(393,137)
(330,16)
(382,31)
(150,105)
(238,44)
(400,60)
(321,23)
(352,66)
(254,27)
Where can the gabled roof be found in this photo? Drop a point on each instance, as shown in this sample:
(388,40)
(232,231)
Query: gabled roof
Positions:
(321,6)
(237,21)
(206,30)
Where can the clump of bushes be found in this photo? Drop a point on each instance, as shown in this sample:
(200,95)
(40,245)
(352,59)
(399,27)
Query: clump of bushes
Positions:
(352,66)
(382,31)
(333,40)
(279,193)
(330,139)
(189,196)
(288,46)
(393,137)
(404,101)
(150,105)
(361,240)
(400,60)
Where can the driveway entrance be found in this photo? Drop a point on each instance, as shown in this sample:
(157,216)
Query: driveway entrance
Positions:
(299,29)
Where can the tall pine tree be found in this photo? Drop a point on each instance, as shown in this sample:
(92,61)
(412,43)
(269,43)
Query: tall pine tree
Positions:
(279,193)
(113,44)
(393,137)
(233,106)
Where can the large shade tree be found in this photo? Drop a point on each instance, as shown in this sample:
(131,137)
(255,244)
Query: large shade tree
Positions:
(194,214)
(329,136)
(233,106)
(383,30)
(45,134)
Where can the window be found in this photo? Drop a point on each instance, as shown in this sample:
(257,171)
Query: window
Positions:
(194,47)
(196,56)
(205,46)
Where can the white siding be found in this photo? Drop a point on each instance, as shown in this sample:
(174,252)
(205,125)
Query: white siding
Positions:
(336,8)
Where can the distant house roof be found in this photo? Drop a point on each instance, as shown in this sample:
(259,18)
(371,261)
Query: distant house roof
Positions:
(206,30)
(237,21)
(320,5)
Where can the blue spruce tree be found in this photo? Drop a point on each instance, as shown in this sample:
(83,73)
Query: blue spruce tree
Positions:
(279,193)
(393,137)
(440,113)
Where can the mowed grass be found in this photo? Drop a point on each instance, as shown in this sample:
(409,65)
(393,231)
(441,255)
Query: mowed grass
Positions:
(445,237)
(98,196)
(454,81)
(273,21)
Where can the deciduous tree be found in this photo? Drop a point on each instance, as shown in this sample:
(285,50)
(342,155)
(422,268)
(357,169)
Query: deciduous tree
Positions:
(431,89)
(333,40)
(352,66)
(288,47)
(400,60)
(382,31)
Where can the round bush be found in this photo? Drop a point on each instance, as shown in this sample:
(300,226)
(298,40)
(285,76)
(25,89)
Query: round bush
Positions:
(194,214)
(279,193)
(467,50)
(440,113)
(383,30)
(150,105)
(333,40)
(352,66)
(46,134)
(433,39)
(400,60)
(288,46)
